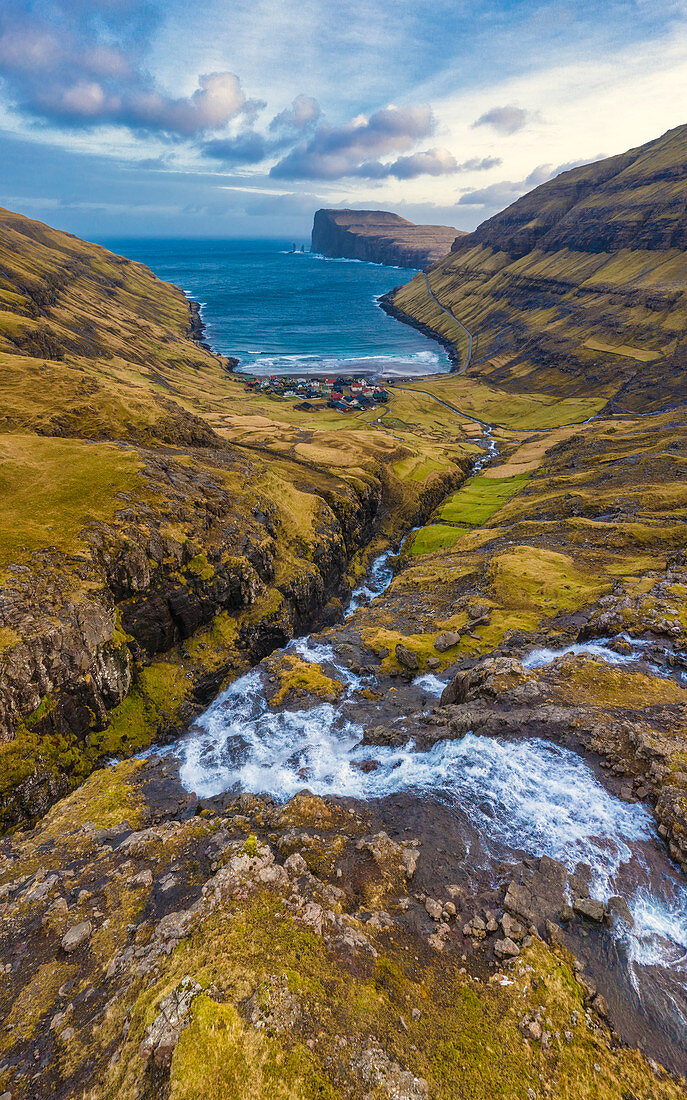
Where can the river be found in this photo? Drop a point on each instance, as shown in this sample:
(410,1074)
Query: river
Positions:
(483,802)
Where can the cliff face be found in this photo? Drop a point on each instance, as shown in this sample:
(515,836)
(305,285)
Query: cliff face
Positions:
(579,286)
(379,237)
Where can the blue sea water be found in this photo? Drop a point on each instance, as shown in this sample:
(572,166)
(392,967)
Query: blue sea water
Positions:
(281,312)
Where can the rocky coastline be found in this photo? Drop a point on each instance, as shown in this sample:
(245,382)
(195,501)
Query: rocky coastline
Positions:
(387,303)
(197,334)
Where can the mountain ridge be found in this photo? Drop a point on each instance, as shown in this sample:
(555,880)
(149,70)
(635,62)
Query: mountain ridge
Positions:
(578,286)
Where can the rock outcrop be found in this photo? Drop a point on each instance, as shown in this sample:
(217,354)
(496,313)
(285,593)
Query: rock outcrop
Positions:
(379,237)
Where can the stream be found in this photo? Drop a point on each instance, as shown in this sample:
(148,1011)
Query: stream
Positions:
(487,802)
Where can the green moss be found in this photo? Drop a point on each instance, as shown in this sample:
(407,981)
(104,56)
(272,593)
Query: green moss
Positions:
(530,577)
(214,647)
(200,567)
(46,705)
(107,798)
(52,488)
(37,998)
(464,1041)
(589,681)
(250,845)
(218,1055)
(8,639)
(155,700)
(303,678)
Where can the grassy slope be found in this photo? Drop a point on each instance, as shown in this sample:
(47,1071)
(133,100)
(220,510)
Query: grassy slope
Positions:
(537,546)
(117,431)
(577,291)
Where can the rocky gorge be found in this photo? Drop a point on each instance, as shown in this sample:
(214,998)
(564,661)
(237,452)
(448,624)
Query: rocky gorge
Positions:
(436,847)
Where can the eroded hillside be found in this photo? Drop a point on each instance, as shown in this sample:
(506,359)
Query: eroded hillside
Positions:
(578,287)
(146,557)
(483,897)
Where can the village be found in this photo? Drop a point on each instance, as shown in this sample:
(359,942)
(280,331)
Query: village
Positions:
(343,393)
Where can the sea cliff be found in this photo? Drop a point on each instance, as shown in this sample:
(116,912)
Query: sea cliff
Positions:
(379,237)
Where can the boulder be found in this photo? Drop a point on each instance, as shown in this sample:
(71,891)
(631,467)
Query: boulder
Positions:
(506,949)
(446,641)
(617,910)
(75,936)
(409,859)
(407,657)
(456,690)
(518,902)
(434,908)
(590,908)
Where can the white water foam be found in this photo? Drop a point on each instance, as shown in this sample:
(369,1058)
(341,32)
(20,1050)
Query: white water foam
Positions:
(378,578)
(600,648)
(401,363)
(430,684)
(531,796)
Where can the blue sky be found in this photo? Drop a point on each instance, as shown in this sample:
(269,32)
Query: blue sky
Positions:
(238,118)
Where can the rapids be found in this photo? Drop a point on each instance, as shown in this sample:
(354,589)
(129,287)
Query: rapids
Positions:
(505,801)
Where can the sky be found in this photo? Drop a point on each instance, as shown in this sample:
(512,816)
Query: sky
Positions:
(239,118)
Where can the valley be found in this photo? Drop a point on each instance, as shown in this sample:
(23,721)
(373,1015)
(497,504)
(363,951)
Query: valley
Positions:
(343,755)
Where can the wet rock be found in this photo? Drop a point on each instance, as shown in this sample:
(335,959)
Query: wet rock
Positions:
(407,657)
(456,690)
(590,908)
(617,911)
(77,935)
(163,1034)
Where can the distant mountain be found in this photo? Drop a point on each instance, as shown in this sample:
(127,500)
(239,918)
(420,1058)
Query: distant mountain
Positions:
(578,287)
(379,237)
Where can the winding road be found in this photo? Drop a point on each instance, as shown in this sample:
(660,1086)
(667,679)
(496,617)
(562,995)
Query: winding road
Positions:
(465,365)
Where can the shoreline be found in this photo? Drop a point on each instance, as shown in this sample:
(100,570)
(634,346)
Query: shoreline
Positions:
(386,303)
(197,331)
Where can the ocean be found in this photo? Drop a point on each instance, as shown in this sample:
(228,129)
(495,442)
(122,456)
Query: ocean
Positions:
(281,312)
